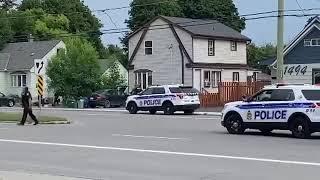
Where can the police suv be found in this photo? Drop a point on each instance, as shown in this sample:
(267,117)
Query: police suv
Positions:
(167,98)
(282,106)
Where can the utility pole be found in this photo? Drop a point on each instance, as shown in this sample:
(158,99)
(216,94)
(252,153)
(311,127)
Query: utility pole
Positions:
(280,44)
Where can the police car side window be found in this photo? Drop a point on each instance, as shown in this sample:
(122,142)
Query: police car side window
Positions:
(263,96)
(158,91)
(147,91)
(282,95)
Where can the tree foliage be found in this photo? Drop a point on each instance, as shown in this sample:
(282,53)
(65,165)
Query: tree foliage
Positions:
(116,52)
(259,53)
(224,11)
(5,28)
(113,79)
(81,19)
(7,4)
(75,73)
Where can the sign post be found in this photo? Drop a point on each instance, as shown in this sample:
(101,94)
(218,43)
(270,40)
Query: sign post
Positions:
(39,70)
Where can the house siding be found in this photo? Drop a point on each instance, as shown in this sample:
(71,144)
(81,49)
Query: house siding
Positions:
(300,78)
(134,41)
(3,82)
(165,64)
(223,53)
(304,55)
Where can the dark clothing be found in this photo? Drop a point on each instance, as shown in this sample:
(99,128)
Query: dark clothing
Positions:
(27,111)
(27,108)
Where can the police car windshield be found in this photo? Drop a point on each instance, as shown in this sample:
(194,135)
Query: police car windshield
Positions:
(311,95)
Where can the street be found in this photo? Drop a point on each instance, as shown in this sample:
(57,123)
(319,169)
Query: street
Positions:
(117,145)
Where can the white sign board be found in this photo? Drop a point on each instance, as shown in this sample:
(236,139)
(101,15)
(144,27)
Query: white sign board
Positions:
(39,67)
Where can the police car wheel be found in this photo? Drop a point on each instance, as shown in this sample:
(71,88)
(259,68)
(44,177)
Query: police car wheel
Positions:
(153,111)
(132,108)
(300,128)
(234,124)
(168,108)
(10,103)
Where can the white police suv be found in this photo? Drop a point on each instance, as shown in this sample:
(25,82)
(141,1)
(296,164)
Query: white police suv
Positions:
(282,106)
(167,98)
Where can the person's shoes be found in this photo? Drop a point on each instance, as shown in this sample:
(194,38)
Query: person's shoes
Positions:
(20,124)
(36,123)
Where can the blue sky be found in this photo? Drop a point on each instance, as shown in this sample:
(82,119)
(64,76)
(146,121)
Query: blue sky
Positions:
(260,31)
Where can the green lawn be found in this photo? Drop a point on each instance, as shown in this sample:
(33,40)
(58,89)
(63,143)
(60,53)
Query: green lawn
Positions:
(16,117)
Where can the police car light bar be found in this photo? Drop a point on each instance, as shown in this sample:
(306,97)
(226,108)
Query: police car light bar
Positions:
(288,84)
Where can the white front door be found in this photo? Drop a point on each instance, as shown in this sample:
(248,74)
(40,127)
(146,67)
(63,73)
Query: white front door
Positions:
(197,79)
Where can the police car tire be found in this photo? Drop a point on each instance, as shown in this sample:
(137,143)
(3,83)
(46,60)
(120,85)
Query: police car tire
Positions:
(10,103)
(302,122)
(153,111)
(168,108)
(132,108)
(234,118)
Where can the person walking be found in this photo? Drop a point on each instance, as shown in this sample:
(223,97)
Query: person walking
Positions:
(27,107)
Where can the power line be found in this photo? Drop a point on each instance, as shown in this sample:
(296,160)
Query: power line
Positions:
(300,7)
(159,27)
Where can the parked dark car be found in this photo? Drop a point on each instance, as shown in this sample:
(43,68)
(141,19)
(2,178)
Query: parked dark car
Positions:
(108,98)
(6,101)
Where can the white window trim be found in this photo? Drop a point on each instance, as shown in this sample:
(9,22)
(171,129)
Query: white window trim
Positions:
(213,53)
(148,48)
(234,79)
(308,42)
(215,79)
(141,79)
(234,45)
(16,85)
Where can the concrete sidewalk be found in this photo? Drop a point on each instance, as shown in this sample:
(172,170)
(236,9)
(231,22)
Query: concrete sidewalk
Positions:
(207,111)
(5,175)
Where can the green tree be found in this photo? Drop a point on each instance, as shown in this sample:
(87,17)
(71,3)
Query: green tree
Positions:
(80,17)
(118,53)
(224,11)
(7,4)
(255,54)
(143,11)
(113,79)
(74,73)
(5,28)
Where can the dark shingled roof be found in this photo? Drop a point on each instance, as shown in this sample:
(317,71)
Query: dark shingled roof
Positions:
(206,28)
(23,54)
(4,59)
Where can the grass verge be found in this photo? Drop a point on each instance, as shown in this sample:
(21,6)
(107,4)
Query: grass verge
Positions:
(16,117)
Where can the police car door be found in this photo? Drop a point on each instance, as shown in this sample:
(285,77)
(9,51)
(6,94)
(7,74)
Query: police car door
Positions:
(251,110)
(142,100)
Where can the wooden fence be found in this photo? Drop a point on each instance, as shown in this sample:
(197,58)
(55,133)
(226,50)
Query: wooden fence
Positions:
(230,91)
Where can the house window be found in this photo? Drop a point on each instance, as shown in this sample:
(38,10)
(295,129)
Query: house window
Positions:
(235,76)
(234,46)
(143,79)
(207,79)
(148,47)
(216,78)
(211,48)
(255,77)
(18,80)
(312,42)
(307,42)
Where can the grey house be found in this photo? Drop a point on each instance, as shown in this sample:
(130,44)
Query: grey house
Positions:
(17,65)
(194,52)
(302,56)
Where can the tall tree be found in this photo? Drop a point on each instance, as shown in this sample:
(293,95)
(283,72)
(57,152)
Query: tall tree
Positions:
(80,16)
(143,11)
(75,73)
(255,54)
(113,79)
(5,28)
(224,11)
(7,4)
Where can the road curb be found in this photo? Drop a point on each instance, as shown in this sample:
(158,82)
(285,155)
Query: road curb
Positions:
(105,110)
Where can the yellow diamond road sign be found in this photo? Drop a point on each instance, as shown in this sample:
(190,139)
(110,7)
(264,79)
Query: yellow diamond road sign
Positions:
(40,85)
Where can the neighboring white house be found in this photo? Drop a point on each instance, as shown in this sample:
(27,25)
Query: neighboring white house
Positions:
(17,65)
(106,64)
(193,52)
(301,57)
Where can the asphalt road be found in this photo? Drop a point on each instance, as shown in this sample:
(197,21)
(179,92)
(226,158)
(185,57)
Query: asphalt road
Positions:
(117,146)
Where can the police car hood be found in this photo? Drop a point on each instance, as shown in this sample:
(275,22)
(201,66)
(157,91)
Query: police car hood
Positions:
(234,103)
